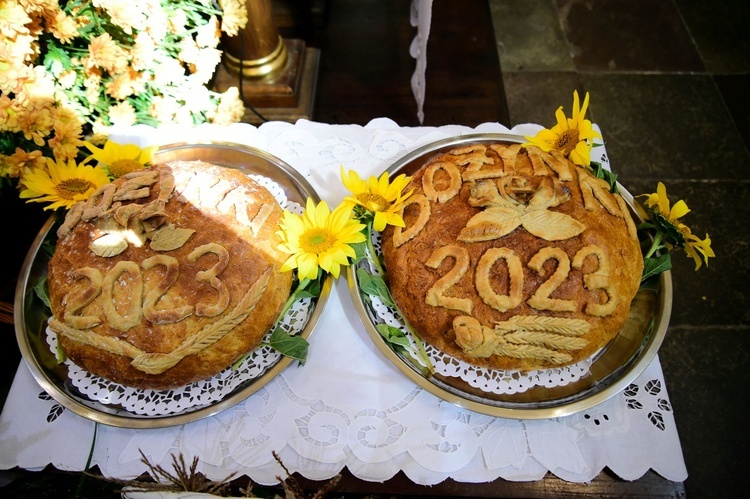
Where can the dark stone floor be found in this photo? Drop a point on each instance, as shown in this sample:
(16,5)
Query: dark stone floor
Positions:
(670,89)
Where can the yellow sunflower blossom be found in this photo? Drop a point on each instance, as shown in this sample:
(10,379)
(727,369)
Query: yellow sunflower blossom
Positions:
(573,137)
(120,159)
(378,196)
(61,184)
(319,239)
(670,231)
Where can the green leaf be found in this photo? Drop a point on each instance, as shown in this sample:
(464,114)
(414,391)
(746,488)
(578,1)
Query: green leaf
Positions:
(670,232)
(360,251)
(393,335)
(289,345)
(603,173)
(374,286)
(655,265)
(650,284)
(41,291)
(399,342)
(56,60)
(60,356)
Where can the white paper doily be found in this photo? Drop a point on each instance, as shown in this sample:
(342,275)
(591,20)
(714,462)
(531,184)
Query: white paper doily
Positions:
(195,395)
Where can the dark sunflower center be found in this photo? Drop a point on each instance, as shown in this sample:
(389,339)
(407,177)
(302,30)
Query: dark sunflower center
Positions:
(567,141)
(68,189)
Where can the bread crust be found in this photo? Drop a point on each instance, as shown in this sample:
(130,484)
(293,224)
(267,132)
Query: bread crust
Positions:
(195,288)
(529,262)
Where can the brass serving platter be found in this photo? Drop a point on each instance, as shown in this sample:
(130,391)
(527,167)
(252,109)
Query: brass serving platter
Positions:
(31,314)
(613,368)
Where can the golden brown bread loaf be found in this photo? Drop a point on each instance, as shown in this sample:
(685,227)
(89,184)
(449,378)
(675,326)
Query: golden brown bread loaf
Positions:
(168,275)
(513,258)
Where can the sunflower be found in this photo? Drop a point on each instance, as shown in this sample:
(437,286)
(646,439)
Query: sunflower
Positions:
(377,196)
(672,232)
(61,184)
(573,136)
(120,159)
(319,239)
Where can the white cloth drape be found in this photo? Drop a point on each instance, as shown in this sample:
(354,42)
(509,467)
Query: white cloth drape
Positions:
(421,18)
(349,406)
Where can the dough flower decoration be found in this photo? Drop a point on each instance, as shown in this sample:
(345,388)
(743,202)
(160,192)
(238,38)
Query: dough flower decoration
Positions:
(319,239)
(61,183)
(668,232)
(573,137)
(120,159)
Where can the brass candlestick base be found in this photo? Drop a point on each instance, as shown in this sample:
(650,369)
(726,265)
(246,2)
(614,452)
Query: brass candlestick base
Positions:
(285,94)
(258,67)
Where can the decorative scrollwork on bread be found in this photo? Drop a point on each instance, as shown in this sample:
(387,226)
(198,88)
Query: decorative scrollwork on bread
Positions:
(401,235)
(443,194)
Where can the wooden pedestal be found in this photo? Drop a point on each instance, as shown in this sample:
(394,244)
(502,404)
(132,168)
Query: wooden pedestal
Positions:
(287,95)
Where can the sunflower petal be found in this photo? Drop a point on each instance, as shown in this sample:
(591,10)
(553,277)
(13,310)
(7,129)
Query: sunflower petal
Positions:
(679,210)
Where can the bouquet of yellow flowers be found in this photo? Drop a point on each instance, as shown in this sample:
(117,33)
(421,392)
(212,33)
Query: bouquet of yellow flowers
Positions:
(574,137)
(70,70)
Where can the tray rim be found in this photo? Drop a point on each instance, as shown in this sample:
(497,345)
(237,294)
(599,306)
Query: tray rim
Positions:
(50,385)
(648,348)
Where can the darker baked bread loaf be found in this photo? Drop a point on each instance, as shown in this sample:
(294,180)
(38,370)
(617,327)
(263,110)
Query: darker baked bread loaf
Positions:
(513,258)
(168,275)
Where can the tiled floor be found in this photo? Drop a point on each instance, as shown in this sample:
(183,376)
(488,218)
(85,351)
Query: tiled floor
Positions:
(670,88)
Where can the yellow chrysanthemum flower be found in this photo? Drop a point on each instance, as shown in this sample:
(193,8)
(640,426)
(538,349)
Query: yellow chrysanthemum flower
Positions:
(61,184)
(120,159)
(319,239)
(673,232)
(377,195)
(573,136)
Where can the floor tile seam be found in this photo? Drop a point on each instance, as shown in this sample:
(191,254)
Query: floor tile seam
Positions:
(709,328)
(694,180)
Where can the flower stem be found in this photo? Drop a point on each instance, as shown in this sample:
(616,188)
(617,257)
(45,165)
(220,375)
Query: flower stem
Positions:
(371,249)
(293,297)
(655,244)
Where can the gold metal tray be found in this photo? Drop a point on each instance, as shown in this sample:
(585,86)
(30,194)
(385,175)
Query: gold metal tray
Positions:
(613,368)
(31,314)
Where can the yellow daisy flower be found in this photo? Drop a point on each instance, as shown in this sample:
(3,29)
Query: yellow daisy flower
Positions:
(61,184)
(319,239)
(673,232)
(120,159)
(573,136)
(377,196)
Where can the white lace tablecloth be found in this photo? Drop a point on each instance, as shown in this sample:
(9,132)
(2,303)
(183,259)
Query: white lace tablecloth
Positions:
(348,406)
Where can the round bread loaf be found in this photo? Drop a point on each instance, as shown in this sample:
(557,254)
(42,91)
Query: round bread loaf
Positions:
(513,258)
(167,275)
